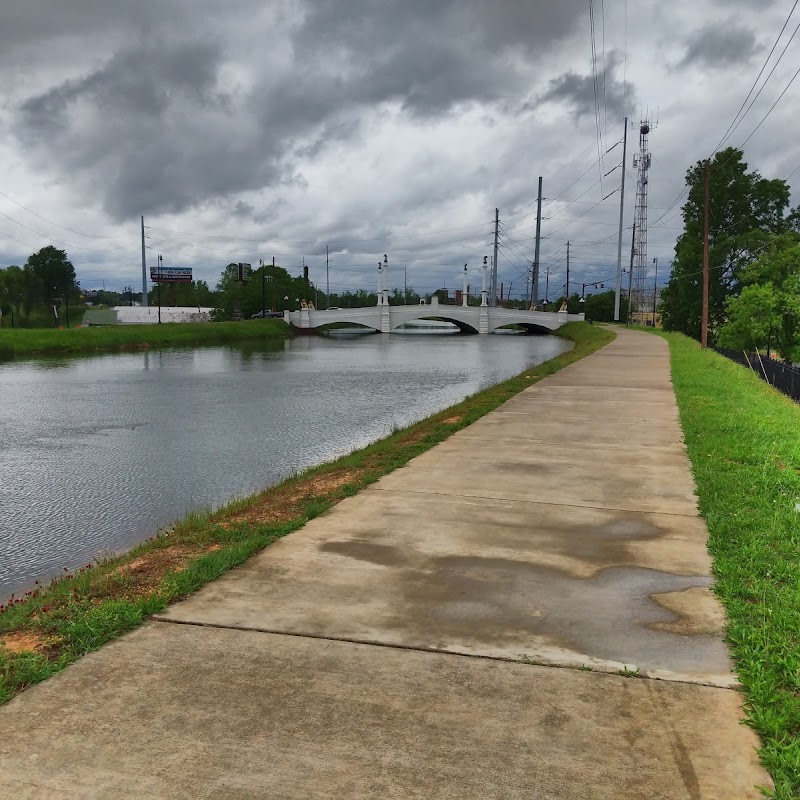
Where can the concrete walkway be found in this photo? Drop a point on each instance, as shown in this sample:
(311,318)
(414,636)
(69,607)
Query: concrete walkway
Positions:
(455,631)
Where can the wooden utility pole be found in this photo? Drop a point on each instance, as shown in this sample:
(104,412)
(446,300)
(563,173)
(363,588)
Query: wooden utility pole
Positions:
(704,317)
(567,286)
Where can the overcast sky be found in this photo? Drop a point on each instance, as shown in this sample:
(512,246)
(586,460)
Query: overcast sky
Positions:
(243,130)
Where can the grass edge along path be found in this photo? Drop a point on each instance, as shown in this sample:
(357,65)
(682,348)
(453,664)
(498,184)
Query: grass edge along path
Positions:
(52,626)
(104,338)
(743,440)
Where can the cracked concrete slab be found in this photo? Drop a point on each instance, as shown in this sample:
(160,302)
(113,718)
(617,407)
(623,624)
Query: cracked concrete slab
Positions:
(571,586)
(174,712)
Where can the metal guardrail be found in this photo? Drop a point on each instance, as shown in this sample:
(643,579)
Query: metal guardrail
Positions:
(783,377)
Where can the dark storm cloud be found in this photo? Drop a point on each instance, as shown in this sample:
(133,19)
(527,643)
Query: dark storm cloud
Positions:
(141,81)
(433,55)
(155,128)
(39,21)
(580,91)
(719,45)
(148,130)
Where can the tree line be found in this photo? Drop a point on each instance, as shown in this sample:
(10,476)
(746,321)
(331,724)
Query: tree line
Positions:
(46,281)
(754,260)
(29,293)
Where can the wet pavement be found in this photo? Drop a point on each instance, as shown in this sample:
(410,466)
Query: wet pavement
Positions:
(421,639)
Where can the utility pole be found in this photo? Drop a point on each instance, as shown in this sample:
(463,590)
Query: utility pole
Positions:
(327,281)
(535,279)
(547,287)
(405,285)
(655,291)
(144,269)
(621,213)
(630,274)
(159,290)
(493,296)
(263,289)
(704,318)
(529,287)
(567,294)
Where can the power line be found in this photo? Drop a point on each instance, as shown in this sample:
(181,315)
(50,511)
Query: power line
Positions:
(755,82)
(596,99)
(66,244)
(764,118)
(766,80)
(50,222)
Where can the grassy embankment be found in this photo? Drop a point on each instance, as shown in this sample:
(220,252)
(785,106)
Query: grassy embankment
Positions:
(53,626)
(743,439)
(41,341)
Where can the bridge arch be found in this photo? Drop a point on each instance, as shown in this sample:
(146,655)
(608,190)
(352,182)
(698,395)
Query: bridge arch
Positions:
(529,327)
(463,327)
(470,319)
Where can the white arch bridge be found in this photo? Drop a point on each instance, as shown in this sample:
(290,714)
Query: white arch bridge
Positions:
(469,319)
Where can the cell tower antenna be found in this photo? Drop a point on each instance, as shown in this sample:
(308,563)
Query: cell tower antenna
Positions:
(641,161)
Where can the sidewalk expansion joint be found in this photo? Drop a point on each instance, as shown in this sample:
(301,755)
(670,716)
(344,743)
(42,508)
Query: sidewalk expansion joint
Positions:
(376,488)
(523,659)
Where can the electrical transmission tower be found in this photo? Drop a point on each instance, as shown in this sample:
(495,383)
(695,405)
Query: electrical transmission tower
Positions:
(642,161)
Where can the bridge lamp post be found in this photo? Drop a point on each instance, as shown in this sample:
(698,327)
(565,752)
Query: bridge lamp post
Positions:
(386,278)
(483,280)
(380,283)
(464,292)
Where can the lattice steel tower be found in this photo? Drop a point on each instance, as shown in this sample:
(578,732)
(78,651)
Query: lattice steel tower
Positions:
(642,161)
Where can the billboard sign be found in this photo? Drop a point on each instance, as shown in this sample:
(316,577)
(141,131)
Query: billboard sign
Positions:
(171,274)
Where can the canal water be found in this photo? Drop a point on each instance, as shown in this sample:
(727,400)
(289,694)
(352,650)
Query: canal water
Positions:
(98,453)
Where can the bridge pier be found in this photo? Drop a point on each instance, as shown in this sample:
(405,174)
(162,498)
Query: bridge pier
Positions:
(483,320)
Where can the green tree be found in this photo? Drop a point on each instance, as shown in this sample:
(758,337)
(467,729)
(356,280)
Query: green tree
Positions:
(195,293)
(32,292)
(767,309)
(53,276)
(745,211)
(12,287)
(599,307)
(278,285)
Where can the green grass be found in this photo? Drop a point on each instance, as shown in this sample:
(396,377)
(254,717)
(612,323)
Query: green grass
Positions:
(39,341)
(743,439)
(78,613)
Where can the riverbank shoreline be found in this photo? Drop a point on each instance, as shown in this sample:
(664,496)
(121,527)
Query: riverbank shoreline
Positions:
(53,626)
(22,342)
